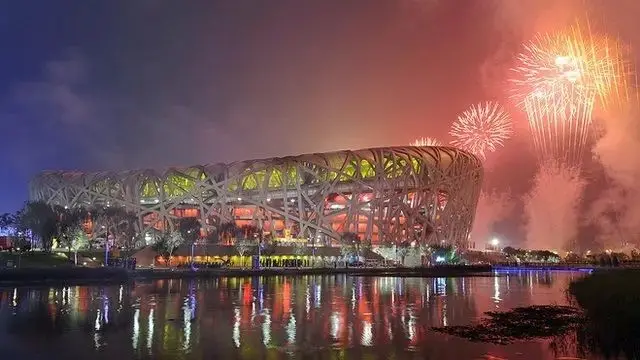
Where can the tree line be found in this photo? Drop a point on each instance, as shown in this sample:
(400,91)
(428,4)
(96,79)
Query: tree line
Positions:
(42,225)
(39,224)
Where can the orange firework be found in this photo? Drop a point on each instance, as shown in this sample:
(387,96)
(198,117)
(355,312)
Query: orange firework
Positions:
(560,77)
(426,142)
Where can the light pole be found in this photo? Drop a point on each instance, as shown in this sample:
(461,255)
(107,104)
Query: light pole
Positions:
(106,247)
(259,247)
(494,243)
(193,244)
(313,249)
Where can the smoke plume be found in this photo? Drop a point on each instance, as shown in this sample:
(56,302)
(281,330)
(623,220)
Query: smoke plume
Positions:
(551,208)
(616,213)
(492,208)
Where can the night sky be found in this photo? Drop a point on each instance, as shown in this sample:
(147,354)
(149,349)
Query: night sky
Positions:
(117,84)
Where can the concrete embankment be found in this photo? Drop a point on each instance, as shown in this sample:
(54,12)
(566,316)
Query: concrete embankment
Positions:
(10,277)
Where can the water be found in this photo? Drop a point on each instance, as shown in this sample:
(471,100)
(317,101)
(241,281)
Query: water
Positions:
(310,317)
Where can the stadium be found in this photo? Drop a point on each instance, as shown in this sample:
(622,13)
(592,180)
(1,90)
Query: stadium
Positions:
(385,195)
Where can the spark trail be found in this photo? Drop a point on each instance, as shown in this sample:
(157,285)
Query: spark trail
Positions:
(559,79)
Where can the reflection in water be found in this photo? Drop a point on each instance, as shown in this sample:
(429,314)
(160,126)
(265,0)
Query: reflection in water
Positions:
(266,328)
(496,291)
(236,327)
(136,329)
(280,316)
(150,328)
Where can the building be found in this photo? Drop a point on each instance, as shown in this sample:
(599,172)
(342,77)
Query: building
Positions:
(422,194)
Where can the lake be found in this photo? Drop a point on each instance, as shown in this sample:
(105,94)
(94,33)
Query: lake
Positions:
(297,317)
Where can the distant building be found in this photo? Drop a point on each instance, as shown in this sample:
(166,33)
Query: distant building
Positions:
(385,195)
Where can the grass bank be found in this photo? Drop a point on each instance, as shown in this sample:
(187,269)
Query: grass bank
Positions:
(34,259)
(611,302)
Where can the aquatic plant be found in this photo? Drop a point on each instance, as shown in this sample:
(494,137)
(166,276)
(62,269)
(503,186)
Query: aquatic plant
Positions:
(519,324)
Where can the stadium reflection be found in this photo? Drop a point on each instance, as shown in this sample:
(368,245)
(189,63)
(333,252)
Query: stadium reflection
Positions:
(277,317)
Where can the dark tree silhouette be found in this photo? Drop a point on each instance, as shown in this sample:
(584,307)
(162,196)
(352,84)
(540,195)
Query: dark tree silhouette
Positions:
(227,230)
(40,218)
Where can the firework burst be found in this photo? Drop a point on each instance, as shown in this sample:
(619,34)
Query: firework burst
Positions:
(559,79)
(428,141)
(481,129)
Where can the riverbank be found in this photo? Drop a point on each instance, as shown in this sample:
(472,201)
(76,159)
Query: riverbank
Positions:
(602,318)
(436,271)
(547,267)
(12,277)
(611,303)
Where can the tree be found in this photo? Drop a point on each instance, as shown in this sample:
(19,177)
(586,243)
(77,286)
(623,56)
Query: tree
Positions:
(189,228)
(350,244)
(545,256)
(300,249)
(403,250)
(9,224)
(573,258)
(40,218)
(167,244)
(446,254)
(6,222)
(80,240)
(21,242)
(365,246)
(118,226)
(510,251)
(227,231)
(268,246)
(69,224)
(127,231)
(151,236)
(242,247)
(249,231)
(212,237)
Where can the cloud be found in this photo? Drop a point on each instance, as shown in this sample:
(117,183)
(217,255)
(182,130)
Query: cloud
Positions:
(62,120)
(46,118)
(57,95)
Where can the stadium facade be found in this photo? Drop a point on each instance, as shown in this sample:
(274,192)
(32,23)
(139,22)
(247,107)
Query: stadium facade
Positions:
(386,195)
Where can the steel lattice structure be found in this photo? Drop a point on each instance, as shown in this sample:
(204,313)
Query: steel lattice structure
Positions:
(425,194)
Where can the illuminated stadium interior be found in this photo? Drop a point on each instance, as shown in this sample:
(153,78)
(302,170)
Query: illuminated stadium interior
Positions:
(386,195)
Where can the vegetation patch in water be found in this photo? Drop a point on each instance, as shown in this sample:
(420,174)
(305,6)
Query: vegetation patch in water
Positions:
(519,324)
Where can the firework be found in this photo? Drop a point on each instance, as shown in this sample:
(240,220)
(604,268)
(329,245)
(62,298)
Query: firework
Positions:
(481,129)
(560,78)
(426,142)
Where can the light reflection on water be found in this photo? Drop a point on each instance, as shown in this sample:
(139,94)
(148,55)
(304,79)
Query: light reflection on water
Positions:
(276,317)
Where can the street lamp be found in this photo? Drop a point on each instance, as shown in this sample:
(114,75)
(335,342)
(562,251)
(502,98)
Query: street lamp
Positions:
(494,243)
(106,247)
(193,244)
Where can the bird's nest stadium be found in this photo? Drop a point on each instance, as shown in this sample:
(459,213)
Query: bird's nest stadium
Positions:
(386,195)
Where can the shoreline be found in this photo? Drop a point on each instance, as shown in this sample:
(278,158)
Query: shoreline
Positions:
(79,276)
